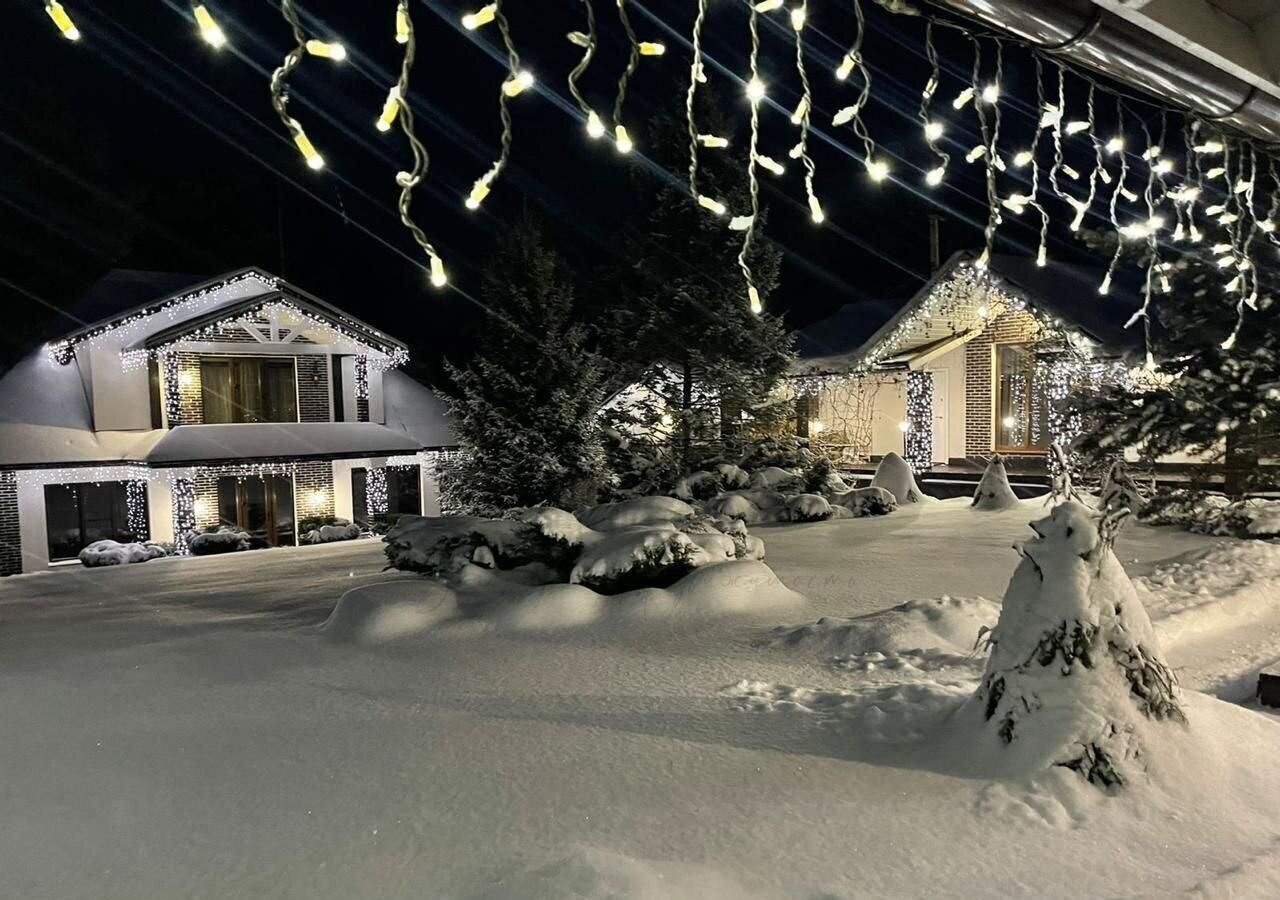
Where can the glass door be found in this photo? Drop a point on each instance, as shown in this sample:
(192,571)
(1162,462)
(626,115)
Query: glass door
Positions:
(261,505)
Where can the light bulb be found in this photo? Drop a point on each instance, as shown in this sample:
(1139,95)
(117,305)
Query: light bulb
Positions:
(976,153)
(713,141)
(1227,218)
(1179,232)
(651,48)
(1050,116)
(991,93)
(767,6)
(1267,225)
(309,153)
(390,109)
(1155,223)
(877,169)
(62,20)
(1105,287)
(1216,209)
(1229,342)
(934,176)
(1023,158)
(482,16)
(1042,258)
(1226,262)
(933,130)
(1128,194)
(845,69)
(981,265)
(1163,166)
(438,277)
(622,140)
(579,38)
(797,18)
(1219,248)
(404,27)
(768,162)
(328,49)
(518,84)
(962,98)
(741,223)
(904,426)
(1209,147)
(844,115)
(1215,172)
(1242,186)
(209,29)
(797,151)
(753,296)
(1076,126)
(595,127)
(815,210)
(479,190)
(802,110)
(1070,172)
(755,89)
(1115,145)
(711,204)
(1009,422)
(1194,234)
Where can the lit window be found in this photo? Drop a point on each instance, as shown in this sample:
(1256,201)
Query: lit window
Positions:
(1022,416)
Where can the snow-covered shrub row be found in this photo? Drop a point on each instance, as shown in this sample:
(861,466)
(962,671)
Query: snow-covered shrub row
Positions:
(1214,514)
(336,529)
(610,548)
(113,553)
(223,540)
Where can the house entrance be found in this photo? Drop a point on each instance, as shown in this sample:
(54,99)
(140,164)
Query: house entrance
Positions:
(262,505)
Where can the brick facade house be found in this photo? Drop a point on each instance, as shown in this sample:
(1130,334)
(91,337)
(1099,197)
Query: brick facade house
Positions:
(239,401)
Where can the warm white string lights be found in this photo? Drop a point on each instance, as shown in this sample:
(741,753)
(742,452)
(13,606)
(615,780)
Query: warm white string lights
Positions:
(588,42)
(800,117)
(933,129)
(516,82)
(621,137)
(877,169)
(62,20)
(755,95)
(279,81)
(210,31)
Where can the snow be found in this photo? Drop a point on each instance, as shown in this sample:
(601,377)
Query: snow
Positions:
(641,511)
(185,729)
(807,508)
(113,553)
(224,540)
(259,440)
(994,491)
(344,531)
(895,476)
(774,478)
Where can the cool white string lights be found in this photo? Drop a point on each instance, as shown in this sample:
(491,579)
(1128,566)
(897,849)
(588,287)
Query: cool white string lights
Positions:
(933,130)
(755,94)
(877,169)
(801,117)
(918,441)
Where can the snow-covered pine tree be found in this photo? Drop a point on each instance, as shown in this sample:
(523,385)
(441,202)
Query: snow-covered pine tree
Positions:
(1076,677)
(1210,396)
(525,408)
(676,316)
(994,491)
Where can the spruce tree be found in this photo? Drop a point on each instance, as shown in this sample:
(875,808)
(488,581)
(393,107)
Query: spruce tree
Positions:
(677,318)
(1212,394)
(525,408)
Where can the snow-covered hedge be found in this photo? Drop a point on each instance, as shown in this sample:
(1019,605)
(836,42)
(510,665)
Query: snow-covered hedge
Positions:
(1214,514)
(113,553)
(224,540)
(333,530)
(807,508)
(867,501)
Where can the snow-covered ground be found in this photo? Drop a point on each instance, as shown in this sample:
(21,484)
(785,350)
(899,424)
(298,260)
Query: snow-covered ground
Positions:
(181,728)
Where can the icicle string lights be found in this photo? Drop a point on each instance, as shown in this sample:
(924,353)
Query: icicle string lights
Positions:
(695,77)
(398,100)
(803,112)
(588,41)
(932,129)
(755,94)
(280,78)
(516,82)
(990,139)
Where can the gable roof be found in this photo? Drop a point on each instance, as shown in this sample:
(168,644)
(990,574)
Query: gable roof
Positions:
(1061,292)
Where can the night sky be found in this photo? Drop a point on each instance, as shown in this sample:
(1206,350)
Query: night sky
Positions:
(142,147)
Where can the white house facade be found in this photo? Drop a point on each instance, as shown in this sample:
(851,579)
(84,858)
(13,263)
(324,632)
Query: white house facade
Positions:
(240,401)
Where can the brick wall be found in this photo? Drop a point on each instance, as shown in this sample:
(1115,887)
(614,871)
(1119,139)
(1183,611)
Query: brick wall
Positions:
(1013,327)
(313,388)
(10,537)
(206,498)
(190,399)
(313,478)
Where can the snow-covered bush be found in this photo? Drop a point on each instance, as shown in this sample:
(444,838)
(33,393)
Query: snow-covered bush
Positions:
(895,476)
(807,508)
(436,545)
(734,506)
(993,490)
(638,557)
(1214,514)
(113,553)
(822,478)
(733,477)
(1075,673)
(640,511)
(224,539)
(776,479)
(335,529)
(867,501)
(700,486)
(744,545)
(784,452)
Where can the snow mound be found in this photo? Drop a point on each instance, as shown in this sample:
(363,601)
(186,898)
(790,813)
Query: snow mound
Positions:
(113,553)
(732,476)
(807,508)
(643,556)
(557,524)
(734,506)
(895,476)
(224,540)
(993,490)
(775,478)
(867,501)
(628,513)
(384,612)
(334,532)
(1265,519)
(949,624)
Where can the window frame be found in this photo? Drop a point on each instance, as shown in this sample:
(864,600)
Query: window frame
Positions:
(997,390)
(120,529)
(235,360)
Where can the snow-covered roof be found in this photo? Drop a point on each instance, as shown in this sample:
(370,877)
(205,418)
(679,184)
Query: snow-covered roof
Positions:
(415,411)
(189,444)
(1059,291)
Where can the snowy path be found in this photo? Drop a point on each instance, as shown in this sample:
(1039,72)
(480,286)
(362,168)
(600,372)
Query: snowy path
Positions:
(177,729)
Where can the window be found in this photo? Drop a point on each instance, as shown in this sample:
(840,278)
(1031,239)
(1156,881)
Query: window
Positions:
(1022,420)
(261,505)
(76,515)
(404,491)
(248,389)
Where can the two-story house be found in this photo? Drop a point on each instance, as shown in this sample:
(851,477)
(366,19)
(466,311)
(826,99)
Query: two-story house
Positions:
(240,400)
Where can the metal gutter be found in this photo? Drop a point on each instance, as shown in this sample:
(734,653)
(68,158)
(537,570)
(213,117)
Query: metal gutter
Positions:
(1091,36)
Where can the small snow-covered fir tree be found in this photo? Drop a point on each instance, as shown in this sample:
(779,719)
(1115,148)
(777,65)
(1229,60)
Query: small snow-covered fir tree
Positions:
(525,408)
(1076,677)
(895,476)
(994,491)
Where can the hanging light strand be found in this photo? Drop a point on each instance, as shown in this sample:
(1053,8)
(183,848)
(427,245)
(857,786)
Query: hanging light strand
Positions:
(990,138)
(932,130)
(754,95)
(805,110)
(695,77)
(1061,112)
(408,180)
(1042,253)
(516,80)
(1273,213)
(852,114)
(595,128)
(1082,207)
(621,137)
(280,83)
(1105,287)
